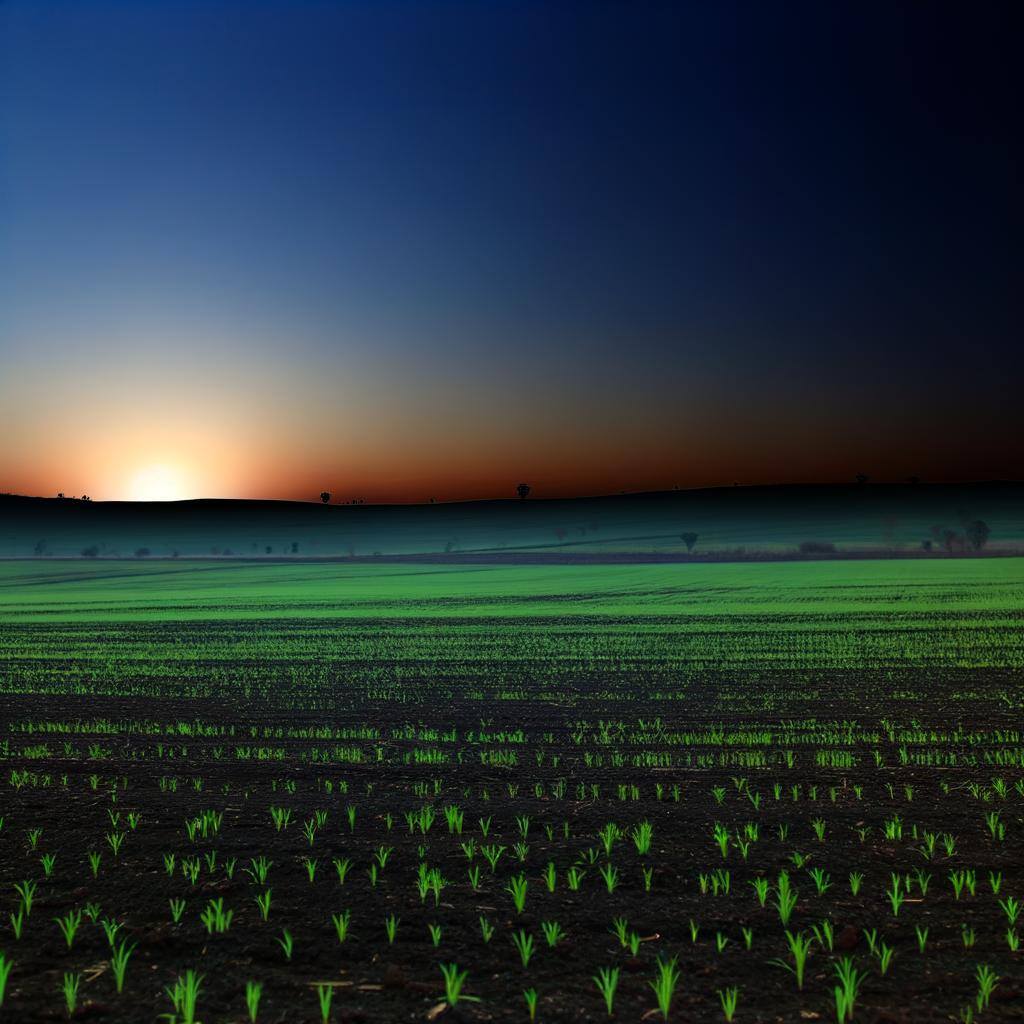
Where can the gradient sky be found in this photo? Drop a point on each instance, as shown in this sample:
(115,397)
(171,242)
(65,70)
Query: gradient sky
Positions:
(410,249)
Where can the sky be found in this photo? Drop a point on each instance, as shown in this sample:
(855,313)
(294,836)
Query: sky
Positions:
(402,250)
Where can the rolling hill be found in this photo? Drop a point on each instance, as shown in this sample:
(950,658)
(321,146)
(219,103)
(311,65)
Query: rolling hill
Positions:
(728,522)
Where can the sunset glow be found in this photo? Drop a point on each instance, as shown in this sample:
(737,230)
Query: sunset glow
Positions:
(159,482)
(279,249)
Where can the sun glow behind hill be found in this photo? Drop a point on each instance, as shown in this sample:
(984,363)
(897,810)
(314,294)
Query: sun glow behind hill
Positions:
(160,482)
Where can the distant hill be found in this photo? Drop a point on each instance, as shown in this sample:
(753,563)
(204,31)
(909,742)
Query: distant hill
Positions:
(734,522)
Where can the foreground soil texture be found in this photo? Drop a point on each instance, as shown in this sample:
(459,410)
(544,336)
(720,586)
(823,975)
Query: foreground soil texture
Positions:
(379,771)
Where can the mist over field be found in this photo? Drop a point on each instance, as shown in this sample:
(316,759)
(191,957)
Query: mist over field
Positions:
(738,522)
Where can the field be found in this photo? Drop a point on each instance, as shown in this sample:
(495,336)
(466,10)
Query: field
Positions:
(358,792)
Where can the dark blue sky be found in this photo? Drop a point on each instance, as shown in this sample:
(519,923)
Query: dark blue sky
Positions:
(410,248)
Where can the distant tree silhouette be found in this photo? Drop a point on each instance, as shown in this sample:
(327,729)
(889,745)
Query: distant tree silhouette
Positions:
(523,490)
(60,494)
(268,549)
(977,533)
(926,545)
(40,548)
(689,539)
(950,539)
(142,552)
(90,552)
(913,480)
(325,496)
(295,547)
(861,478)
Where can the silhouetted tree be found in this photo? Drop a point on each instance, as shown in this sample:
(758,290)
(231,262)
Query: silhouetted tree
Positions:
(142,552)
(295,547)
(913,480)
(40,548)
(268,549)
(950,539)
(977,533)
(861,478)
(523,490)
(689,539)
(325,496)
(60,494)
(90,552)
(926,545)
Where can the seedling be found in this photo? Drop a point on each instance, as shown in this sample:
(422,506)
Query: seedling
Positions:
(729,998)
(846,991)
(800,947)
(5,971)
(69,986)
(530,996)
(184,995)
(119,963)
(454,979)
(263,902)
(26,890)
(324,995)
(607,981)
(664,984)
(68,925)
(524,944)
(517,886)
(253,991)
(341,923)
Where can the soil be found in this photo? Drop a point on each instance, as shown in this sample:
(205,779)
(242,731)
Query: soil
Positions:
(70,792)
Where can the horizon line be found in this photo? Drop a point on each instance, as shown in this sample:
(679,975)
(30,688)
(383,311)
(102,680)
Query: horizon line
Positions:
(867,483)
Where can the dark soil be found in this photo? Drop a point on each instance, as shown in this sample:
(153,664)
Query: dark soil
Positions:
(69,792)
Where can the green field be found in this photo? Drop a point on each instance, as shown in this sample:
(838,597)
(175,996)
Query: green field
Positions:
(724,766)
(280,630)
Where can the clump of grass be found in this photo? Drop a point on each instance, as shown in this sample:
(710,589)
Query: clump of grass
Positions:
(253,992)
(664,984)
(184,995)
(607,981)
(5,971)
(69,986)
(454,980)
(119,963)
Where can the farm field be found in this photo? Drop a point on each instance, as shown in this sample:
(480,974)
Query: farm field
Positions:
(354,792)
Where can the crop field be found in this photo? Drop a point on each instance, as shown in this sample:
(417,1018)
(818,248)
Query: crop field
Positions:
(275,792)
